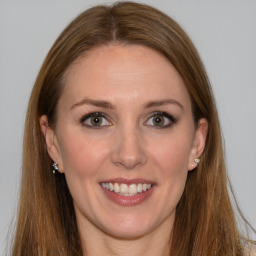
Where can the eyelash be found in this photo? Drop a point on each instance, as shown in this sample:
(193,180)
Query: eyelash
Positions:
(172,120)
(94,114)
(87,117)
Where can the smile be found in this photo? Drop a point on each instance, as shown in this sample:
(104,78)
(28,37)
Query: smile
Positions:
(127,192)
(125,189)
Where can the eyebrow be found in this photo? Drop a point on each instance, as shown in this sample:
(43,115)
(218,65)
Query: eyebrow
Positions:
(108,105)
(96,103)
(158,103)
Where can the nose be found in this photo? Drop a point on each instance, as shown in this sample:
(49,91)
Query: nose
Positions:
(128,149)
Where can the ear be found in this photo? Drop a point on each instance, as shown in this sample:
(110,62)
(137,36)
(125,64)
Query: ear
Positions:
(51,142)
(198,143)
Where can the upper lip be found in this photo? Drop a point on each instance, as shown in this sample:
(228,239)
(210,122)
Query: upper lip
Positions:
(128,181)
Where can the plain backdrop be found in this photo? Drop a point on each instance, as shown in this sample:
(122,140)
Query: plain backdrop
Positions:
(224,32)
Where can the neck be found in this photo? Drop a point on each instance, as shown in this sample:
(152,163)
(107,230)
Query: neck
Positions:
(97,243)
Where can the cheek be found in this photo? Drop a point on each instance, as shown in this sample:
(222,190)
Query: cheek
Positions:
(82,160)
(172,158)
(173,155)
(80,156)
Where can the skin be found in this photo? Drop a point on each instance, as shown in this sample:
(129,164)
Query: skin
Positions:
(127,145)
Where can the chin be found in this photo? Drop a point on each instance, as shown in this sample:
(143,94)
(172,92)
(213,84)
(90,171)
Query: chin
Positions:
(127,233)
(127,228)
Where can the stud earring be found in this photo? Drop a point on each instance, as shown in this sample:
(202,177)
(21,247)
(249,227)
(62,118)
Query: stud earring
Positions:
(197,160)
(55,168)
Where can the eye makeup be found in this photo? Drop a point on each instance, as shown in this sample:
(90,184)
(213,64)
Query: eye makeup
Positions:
(95,120)
(99,120)
(160,120)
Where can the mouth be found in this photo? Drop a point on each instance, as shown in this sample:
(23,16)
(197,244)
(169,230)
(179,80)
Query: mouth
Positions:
(126,189)
(127,192)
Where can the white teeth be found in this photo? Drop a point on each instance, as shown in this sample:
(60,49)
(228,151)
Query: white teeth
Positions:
(127,190)
(116,188)
(139,188)
(123,189)
(133,189)
(111,187)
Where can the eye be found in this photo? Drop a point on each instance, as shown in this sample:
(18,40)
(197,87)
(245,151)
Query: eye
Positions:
(160,120)
(95,120)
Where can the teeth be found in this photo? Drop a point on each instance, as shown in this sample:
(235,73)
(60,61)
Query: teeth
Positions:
(123,189)
(126,190)
(111,187)
(116,188)
(139,187)
(133,189)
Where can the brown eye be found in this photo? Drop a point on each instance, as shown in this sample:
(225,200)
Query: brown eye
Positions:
(160,120)
(95,120)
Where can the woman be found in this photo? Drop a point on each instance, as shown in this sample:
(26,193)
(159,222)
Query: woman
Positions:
(122,145)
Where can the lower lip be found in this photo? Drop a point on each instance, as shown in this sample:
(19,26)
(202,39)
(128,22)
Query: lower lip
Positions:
(128,200)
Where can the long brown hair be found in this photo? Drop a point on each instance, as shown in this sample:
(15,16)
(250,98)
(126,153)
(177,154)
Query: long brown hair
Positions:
(46,224)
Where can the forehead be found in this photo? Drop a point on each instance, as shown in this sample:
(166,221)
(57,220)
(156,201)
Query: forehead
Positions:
(123,73)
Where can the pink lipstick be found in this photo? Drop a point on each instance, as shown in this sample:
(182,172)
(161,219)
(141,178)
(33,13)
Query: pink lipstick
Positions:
(127,192)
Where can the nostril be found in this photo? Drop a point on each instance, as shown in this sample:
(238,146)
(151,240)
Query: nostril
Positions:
(128,151)
(128,163)
(129,160)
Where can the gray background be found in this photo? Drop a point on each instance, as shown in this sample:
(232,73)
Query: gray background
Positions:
(224,33)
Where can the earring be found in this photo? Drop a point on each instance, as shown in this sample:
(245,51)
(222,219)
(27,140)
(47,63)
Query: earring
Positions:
(197,160)
(55,168)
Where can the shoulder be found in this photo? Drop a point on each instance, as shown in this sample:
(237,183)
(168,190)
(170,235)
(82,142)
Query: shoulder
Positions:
(251,251)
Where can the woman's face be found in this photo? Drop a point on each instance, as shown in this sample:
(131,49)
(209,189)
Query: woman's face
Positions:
(125,139)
